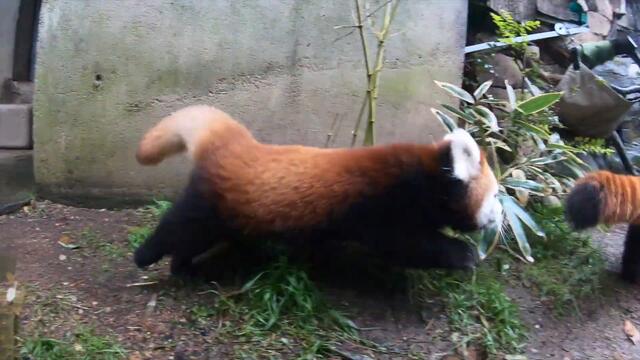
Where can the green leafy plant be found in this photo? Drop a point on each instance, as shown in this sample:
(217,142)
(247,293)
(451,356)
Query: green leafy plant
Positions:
(523,151)
(592,146)
(509,28)
(478,308)
(84,344)
(570,269)
(137,235)
(281,303)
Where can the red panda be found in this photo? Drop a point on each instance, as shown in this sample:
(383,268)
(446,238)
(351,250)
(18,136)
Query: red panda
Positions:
(393,199)
(602,197)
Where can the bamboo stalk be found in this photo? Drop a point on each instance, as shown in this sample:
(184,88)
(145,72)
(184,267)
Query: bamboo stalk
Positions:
(373,76)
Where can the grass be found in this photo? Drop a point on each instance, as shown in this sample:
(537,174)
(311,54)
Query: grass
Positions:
(568,271)
(479,311)
(568,268)
(278,312)
(138,234)
(83,344)
(92,239)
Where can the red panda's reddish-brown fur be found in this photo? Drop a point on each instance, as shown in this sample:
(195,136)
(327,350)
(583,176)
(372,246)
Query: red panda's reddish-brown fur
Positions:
(602,197)
(262,188)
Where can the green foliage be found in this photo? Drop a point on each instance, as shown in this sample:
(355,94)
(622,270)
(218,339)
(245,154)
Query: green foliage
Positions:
(84,344)
(509,28)
(522,150)
(137,235)
(592,146)
(569,268)
(478,308)
(280,303)
(159,208)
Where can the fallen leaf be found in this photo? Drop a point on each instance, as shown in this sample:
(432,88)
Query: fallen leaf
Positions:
(631,332)
(67,242)
(11,293)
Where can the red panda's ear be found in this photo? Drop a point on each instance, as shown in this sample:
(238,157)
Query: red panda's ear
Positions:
(465,155)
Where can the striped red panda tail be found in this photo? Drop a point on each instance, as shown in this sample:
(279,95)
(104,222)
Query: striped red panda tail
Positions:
(182,131)
(603,197)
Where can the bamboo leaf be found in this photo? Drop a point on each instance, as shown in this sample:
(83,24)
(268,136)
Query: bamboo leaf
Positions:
(487,242)
(459,113)
(538,103)
(482,89)
(489,117)
(523,215)
(541,132)
(499,144)
(447,121)
(523,184)
(456,91)
(516,226)
(511,94)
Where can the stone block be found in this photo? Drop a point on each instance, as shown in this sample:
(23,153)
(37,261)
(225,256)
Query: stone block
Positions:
(15,126)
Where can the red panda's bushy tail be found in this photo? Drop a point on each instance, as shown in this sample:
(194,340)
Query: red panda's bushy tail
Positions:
(178,132)
(583,206)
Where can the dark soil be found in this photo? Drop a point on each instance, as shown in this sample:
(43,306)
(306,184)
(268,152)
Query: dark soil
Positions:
(93,285)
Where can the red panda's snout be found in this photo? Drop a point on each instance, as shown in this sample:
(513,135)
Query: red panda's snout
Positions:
(470,166)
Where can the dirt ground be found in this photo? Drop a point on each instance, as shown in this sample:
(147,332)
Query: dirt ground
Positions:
(93,285)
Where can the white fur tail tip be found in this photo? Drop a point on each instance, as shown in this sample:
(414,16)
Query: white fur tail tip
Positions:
(465,155)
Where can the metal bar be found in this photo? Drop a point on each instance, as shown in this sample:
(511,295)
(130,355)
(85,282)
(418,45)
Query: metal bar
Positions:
(560,30)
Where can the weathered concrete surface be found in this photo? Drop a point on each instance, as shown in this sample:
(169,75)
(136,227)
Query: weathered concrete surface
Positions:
(15,126)
(8,19)
(106,71)
(16,179)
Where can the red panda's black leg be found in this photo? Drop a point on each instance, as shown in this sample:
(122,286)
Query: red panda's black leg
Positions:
(631,255)
(436,251)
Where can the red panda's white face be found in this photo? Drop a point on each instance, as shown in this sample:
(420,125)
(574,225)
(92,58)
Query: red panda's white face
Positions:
(470,166)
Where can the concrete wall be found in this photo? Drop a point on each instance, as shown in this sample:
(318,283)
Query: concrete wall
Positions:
(8,20)
(108,70)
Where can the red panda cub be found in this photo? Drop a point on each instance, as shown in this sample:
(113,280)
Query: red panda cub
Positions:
(393,199)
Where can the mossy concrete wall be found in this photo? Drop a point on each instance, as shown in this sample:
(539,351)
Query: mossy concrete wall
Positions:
(108,70)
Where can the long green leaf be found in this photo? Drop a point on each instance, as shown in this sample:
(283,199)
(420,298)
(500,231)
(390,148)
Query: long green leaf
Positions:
(456,91)
(488,240)
(499,144)
(482,89)
(464,116)
(538,103)
(447,121)
(533,128)
(516,226)
(523,215)
(511,95)
(488,116)
(522,184)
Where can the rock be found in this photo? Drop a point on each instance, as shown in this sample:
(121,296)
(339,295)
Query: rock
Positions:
(604,8)
(556,8)
(501,67)
(520,10)
(598,23)
(551,201)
